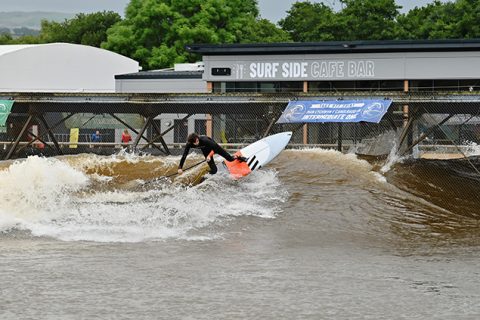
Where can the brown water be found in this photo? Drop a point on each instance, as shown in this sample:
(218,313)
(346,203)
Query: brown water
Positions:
(315,235)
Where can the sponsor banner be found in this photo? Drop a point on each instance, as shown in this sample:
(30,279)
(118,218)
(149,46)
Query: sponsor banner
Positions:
(74,133)
(5,108)
(335,111)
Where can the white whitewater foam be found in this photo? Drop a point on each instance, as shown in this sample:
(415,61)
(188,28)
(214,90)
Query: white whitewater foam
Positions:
(33,189)
(392,159)
(350,161)
(50,198)
(472,149)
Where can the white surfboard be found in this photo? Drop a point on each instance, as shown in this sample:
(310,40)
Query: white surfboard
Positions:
(258,154)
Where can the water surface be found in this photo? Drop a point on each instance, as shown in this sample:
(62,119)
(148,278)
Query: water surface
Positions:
(315,235)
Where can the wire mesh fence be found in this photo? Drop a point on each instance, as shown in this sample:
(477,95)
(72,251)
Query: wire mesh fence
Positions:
(417,125)
(432,142)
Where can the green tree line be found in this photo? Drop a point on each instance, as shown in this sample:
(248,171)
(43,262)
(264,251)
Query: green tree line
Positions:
(155,32)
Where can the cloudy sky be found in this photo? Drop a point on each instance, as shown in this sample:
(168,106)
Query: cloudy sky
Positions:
(270,9)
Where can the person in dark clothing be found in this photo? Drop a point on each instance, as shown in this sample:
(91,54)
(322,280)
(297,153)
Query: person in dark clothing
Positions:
(208,147)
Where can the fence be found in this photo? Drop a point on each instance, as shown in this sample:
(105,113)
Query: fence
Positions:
(422,125)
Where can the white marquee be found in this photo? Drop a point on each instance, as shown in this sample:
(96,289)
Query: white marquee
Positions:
(60,67)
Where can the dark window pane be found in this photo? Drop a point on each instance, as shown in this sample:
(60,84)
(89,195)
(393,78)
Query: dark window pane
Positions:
(180,131)
(201,126)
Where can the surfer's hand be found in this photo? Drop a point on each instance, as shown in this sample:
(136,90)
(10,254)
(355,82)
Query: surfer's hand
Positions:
(180,171)
(208,158)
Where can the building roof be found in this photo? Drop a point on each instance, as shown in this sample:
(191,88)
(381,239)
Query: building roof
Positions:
(337,47)
(8,48)
(161,74)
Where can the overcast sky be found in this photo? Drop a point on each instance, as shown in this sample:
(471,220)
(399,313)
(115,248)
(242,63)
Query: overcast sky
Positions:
(269,9)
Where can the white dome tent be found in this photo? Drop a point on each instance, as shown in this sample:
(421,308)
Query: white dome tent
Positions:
(60,67)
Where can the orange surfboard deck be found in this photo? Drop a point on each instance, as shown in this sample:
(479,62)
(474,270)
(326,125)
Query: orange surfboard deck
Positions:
(238,169)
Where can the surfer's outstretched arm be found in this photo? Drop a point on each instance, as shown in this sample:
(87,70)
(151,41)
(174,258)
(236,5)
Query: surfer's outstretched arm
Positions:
(184,157)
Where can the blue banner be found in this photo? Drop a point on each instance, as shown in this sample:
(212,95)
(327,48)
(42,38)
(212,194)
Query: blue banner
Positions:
(335,111)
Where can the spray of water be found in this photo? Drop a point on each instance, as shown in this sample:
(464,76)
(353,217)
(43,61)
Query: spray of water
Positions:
(76,198)
(472,149)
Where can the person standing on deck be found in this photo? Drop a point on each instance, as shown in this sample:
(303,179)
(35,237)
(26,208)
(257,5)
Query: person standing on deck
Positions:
(126,137)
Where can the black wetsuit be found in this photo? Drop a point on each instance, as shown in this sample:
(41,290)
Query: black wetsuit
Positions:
(206,144)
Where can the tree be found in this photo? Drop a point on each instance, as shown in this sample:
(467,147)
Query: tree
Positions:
(310,22)
(368,19)
(155,32)
(88,29)
(450,20)
(358,20)
(6,38)
(265,31)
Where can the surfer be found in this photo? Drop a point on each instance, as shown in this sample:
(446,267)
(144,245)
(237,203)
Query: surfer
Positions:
(208,147)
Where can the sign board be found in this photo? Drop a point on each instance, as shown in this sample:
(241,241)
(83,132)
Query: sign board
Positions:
(342,67)
(335,111)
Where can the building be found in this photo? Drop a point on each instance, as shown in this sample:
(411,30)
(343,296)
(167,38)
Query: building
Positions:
(430,65)
(352,68)
(325,68)
(182,78)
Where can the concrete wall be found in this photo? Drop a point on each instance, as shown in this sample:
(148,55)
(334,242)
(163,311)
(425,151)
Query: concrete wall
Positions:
(161,85)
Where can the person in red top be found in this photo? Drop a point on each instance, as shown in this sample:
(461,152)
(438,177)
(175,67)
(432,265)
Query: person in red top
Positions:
(126,137)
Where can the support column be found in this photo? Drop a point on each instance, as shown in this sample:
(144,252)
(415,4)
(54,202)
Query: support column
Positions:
(19,137)
(305,126)
(209,124)
(50,133)
(340,136)
(405,107)
(305,133)
(140,134)
(160,137)
(407,124)
(272,122)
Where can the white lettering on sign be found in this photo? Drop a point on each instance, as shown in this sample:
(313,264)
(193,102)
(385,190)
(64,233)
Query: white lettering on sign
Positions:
(264,69)
(239,71)
(314,70)
(361,69)
(330,69)
(294,70)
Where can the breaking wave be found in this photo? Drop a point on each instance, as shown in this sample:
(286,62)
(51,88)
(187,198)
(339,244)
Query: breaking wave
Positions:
(124,199)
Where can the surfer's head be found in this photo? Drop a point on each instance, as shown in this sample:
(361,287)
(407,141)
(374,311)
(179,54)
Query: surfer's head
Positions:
(192,138)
